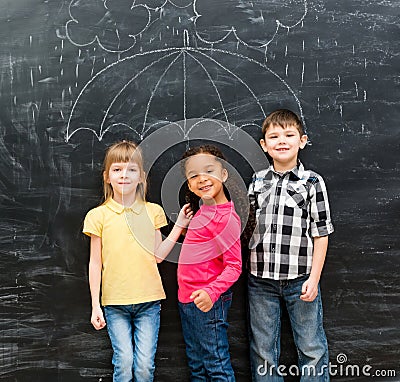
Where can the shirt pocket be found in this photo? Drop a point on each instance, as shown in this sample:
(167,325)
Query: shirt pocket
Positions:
(297,196)
(263,195)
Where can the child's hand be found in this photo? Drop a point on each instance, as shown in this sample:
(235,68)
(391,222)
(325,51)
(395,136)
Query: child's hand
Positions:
(202,300)
(185,214)
(97,318)
(309,290)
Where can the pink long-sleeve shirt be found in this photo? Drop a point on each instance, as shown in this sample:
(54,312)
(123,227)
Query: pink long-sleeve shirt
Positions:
(210,258)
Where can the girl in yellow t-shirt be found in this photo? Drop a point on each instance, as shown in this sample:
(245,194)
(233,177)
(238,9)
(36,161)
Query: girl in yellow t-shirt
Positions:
(125,246)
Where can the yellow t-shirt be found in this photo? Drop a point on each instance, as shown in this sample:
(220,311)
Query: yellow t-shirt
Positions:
(129,274)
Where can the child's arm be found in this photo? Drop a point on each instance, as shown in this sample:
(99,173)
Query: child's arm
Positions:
(95,266)
(163,248)
(310,287)
(205,298)
(232,267)
(321,228)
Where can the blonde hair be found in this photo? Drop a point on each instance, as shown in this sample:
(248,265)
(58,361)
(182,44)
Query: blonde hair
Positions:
(124,152)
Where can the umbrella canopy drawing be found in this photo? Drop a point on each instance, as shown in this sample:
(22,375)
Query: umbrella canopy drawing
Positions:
(146,90)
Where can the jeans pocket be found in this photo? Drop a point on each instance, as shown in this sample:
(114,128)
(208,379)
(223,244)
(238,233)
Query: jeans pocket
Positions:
(226,296)
(226,302)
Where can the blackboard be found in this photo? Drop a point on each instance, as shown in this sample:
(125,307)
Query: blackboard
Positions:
(79,75)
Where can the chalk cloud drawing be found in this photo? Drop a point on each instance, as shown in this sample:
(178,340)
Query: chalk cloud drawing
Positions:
(141,89)
(256,23)
(115,25)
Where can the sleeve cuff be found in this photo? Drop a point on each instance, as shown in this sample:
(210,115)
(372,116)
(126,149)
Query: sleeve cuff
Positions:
(321,228)
(89,232)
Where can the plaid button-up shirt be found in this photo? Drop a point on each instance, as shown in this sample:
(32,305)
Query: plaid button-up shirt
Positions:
(290,209)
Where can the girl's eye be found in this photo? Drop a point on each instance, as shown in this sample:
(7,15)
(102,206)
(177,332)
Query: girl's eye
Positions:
(192,176)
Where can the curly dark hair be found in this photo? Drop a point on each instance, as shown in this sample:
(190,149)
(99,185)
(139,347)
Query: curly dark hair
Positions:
(231,187)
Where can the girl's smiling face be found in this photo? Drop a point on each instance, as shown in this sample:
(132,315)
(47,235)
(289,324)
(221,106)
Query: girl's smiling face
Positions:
(205,175)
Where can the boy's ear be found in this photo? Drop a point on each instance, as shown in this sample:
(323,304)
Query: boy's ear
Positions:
(263,145)
(303,141)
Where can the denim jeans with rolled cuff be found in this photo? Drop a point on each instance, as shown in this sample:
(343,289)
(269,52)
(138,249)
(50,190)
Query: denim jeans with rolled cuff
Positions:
(133,331)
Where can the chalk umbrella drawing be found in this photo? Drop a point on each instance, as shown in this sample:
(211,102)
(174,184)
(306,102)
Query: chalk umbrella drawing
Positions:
(188,77)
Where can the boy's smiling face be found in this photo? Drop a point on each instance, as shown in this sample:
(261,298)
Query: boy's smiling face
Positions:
(283,145)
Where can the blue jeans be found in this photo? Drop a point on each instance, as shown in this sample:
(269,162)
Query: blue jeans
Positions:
(265,299)
(206,339)
(133,331)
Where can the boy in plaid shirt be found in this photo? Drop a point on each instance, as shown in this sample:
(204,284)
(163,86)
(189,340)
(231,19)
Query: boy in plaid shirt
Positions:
(287,254)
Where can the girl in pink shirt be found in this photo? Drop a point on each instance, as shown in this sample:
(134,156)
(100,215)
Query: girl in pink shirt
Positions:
(210,262)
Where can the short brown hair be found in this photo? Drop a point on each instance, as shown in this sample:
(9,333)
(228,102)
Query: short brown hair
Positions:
(283,118)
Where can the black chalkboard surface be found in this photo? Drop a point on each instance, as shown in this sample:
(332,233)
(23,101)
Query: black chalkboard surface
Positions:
(78,75)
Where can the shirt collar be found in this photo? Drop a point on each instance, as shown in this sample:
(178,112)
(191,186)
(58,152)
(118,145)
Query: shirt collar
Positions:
(296,173)
(221,207)
(136,207)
